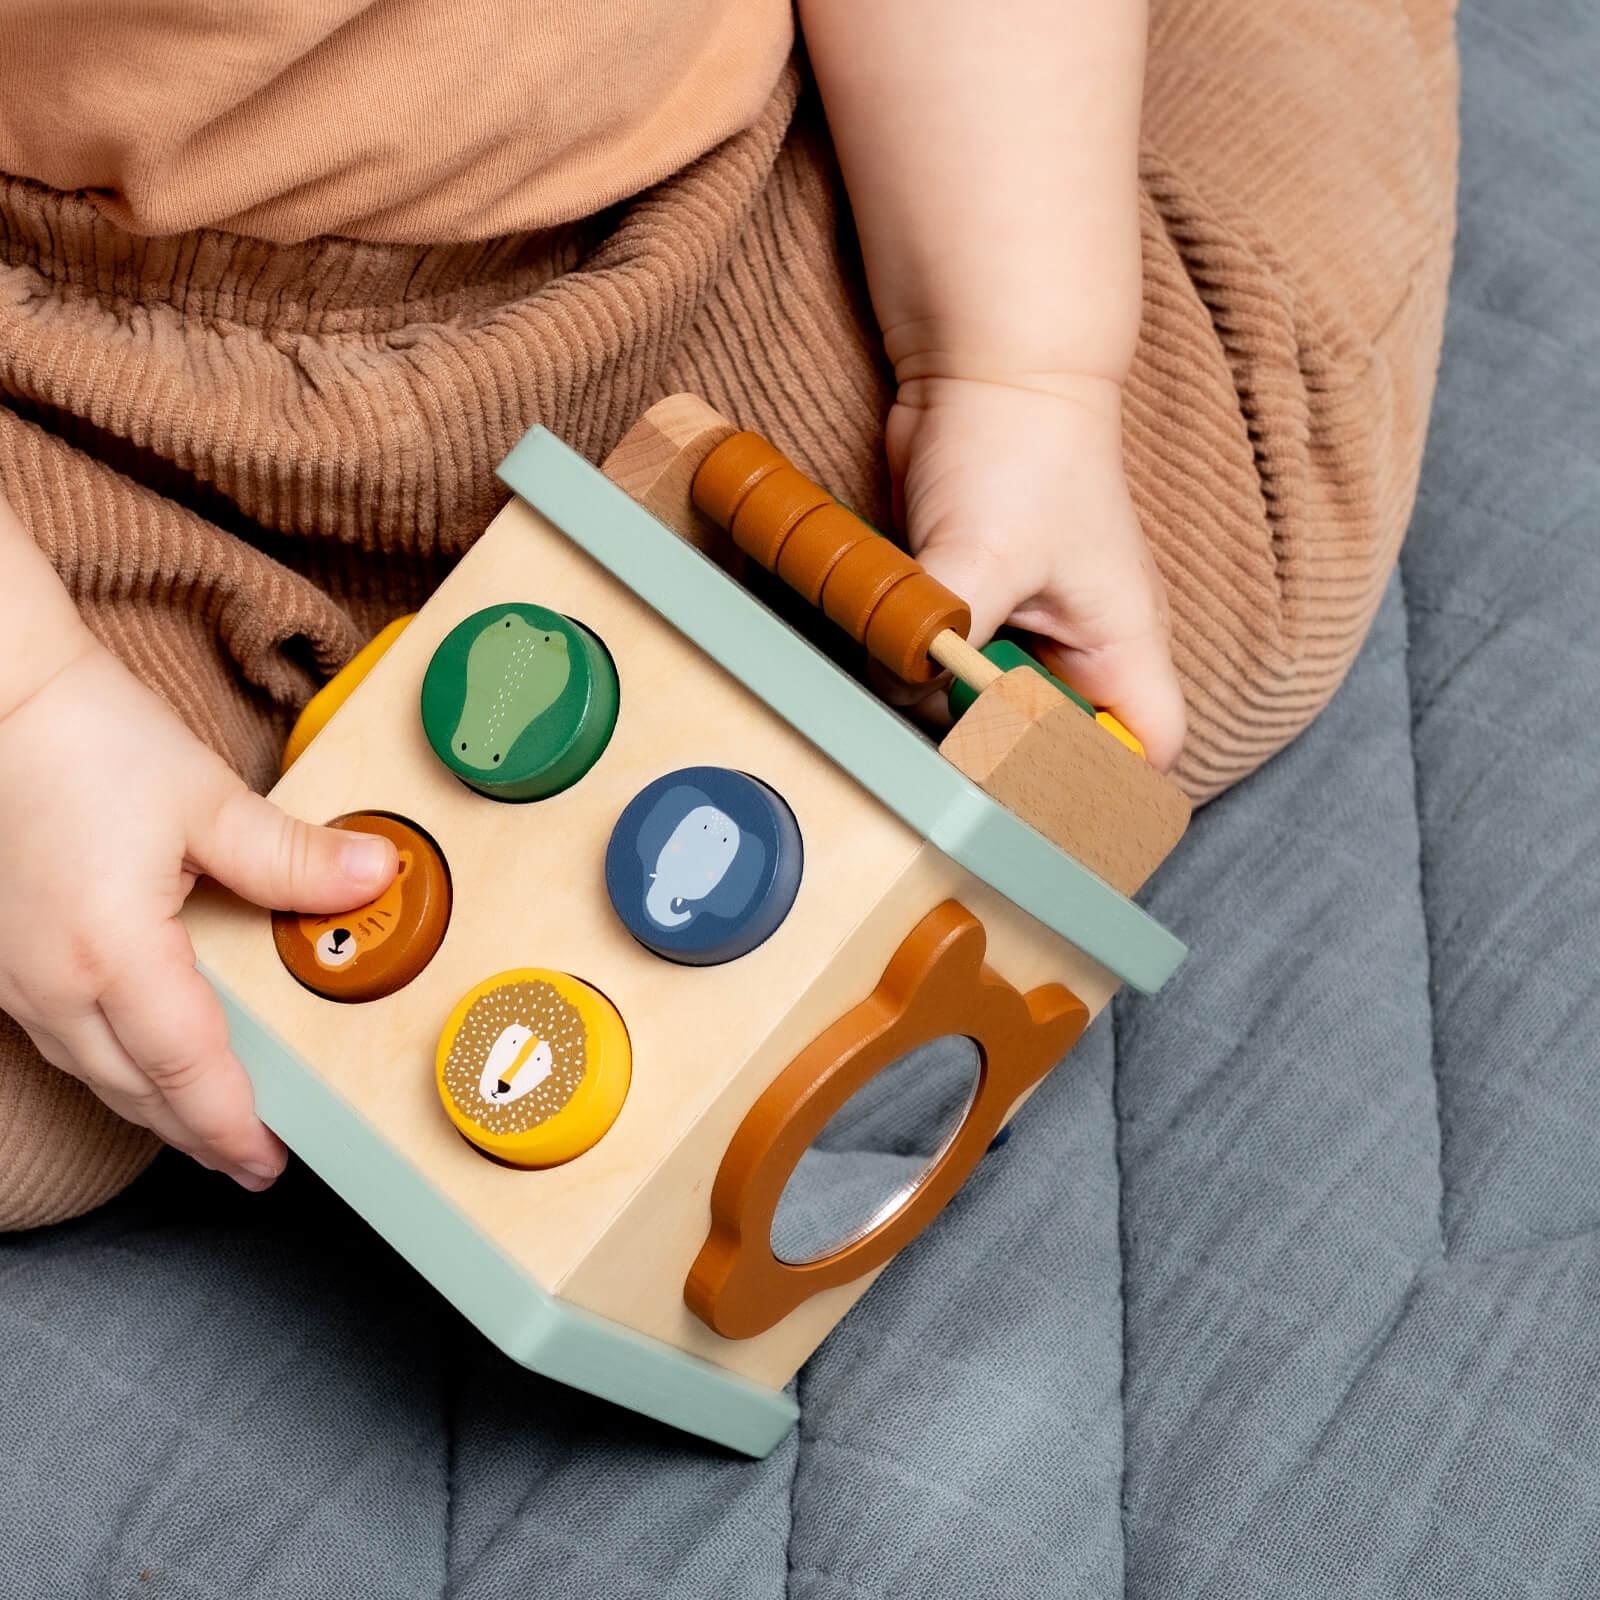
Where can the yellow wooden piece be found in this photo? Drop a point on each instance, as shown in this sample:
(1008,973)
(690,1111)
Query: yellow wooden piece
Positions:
(500,1067)
(333,694)
(1116,730)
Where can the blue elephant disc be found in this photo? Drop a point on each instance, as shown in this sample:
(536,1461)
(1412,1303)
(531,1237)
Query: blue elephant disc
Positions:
(703,865)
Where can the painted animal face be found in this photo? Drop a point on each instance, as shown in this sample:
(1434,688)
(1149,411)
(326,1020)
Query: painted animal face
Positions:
(515,673)
(692,862)
(517,1061)
(337,939)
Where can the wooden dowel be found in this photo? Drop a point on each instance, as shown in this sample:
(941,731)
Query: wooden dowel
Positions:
(969,664)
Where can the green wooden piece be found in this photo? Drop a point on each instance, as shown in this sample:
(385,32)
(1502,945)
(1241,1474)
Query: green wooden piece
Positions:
(519,702)
(852,727)
(533,1327)
(1006,654)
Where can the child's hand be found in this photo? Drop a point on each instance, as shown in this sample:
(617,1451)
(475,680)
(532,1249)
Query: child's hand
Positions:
(1013,496)
(109,810)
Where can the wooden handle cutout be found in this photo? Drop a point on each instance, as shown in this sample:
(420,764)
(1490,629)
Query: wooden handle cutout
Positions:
(935,984)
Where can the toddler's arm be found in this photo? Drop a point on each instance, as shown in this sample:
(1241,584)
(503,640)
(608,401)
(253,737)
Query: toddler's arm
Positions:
(991,154)
(109,810)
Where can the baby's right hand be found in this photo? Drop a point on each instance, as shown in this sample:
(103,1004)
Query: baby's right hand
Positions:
(109,810)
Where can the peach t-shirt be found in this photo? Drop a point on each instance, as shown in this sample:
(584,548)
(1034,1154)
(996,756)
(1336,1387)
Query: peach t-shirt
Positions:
(399,120)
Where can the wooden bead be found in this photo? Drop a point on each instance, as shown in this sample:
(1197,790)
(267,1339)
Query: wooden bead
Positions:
(1006,654)
(863,576)
(767,515)
(904,624)
(377,948)
(815,546)
(730,472)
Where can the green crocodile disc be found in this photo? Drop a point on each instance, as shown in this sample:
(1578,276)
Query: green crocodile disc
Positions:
(519,702)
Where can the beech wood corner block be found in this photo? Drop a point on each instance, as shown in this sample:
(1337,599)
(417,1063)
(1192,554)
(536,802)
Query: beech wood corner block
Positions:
(935,985)
(655,462)
(1030,747)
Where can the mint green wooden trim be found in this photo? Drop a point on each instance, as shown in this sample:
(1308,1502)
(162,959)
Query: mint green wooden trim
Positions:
(874,745)
(533,1327)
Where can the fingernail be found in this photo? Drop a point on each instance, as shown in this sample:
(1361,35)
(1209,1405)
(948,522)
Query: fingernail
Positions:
(249,1178)
(364,858)
(259,1172)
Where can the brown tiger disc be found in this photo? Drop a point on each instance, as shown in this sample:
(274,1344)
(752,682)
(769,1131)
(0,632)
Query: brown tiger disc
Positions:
(379,947)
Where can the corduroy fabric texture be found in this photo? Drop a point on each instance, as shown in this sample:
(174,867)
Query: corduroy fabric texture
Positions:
(243,457)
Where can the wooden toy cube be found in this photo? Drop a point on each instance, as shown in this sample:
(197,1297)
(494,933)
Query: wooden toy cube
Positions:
(580,1269)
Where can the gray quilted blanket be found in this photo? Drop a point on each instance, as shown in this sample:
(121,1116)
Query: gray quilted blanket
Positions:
(1288,1286)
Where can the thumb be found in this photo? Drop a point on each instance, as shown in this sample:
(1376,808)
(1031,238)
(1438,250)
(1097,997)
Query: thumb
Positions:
(1135,680)
(973,572)
(250,846)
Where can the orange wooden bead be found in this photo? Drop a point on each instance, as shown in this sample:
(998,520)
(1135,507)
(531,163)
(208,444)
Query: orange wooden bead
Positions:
(768,513)
(859,582)
(815,546)
(730,472)
(907,620)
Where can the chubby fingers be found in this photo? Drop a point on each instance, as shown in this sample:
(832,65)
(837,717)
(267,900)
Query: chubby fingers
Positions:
(159,1046)
(1133,678)
(992,581)
(251,846)
(185,1083)
(1119,653)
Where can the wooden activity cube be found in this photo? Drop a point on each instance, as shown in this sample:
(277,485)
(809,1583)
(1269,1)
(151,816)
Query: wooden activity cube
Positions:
(607,1271)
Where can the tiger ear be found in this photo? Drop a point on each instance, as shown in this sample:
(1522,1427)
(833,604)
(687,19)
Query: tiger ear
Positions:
(405,865)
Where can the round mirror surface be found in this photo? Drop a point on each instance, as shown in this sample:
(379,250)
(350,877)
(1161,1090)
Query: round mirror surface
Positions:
(876,1149)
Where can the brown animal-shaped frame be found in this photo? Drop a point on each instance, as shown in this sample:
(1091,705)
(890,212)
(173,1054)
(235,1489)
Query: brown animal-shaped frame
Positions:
(935,984)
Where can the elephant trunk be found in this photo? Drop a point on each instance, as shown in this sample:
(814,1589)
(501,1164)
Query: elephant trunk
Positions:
(658,903)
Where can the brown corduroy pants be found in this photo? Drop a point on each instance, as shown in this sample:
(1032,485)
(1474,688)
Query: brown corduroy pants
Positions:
(243,457)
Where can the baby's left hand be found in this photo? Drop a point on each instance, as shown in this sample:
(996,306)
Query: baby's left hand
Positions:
(1013,496)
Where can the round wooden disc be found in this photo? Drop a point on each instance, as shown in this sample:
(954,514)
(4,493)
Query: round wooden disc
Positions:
(379,947)
(704,864)
(519,702)
(533,1066)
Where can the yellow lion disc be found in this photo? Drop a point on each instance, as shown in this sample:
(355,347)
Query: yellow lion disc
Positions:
(533,1066)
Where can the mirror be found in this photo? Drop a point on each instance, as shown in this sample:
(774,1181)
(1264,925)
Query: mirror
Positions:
(876,1149)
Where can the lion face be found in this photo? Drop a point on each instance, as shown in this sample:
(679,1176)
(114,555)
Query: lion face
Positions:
(336,940)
